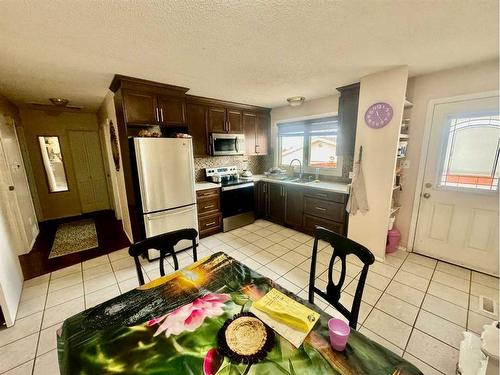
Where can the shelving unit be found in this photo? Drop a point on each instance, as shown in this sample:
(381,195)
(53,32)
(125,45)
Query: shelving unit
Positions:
(401,156)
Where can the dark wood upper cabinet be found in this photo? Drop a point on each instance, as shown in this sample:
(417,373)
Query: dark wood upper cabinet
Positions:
(172,110)
(348,118)
(249,129)
(234,121)
(140,107)
(294,206)
(217,120)
(262,134)
(197,122)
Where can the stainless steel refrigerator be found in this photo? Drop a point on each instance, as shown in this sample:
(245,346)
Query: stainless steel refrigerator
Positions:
(165,170)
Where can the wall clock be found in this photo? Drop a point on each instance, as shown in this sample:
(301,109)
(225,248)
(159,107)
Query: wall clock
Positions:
(378,115)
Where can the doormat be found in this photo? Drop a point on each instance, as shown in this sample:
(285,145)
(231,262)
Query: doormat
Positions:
(73,237)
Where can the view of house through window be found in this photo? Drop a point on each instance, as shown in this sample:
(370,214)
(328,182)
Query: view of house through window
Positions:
(472,151)
(53,164)
(313,142)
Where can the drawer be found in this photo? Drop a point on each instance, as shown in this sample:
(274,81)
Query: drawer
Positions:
(310,223)
(325,209)
(201,194)
(209,204)
(326,195)
(209,222)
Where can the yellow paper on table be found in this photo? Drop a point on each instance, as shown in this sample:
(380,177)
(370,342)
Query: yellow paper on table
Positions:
(289,318)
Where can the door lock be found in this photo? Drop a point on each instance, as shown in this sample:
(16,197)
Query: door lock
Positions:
(11,187)
(426,195)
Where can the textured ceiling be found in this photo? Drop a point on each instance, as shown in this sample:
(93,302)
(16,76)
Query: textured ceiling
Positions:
(256,52)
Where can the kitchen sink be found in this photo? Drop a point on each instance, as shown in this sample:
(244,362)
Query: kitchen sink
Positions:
(291,179)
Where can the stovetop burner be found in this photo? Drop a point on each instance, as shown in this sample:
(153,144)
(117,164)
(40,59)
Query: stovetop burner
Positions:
(235,181)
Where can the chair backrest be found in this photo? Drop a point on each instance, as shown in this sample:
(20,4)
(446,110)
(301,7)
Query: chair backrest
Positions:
(164,243)
(342,247)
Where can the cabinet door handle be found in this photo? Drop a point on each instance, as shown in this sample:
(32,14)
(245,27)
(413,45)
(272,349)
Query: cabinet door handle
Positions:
(320,208)
(210,224)
(161,114)
(157,116)
(209,206)
(321,195)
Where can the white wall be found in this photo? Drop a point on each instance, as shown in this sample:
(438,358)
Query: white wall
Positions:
(463,80)
(105,114)
(379,156)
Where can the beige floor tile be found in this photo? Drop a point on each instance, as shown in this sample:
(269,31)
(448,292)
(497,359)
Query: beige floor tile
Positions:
(487,280)
(102,295)
(264,257)
(103,259)
(63,295)
(298,277)
(66,271)
(119,254)
(210,242)
(65,281)
(48,339)
(252,264)
(405,293)
(31,306)
(22,328)
(380,340)
(263,243)
(432,351)
(450,280)
(33,292)
(445,309)
(122,263)
(276,237)
(483,290)
(99,282)
(46,364)
(44,279)
(440,328)
(18,352)
(417,269)
(377,281)
(474,306)
(277,250)
(422,366)
(24,369)
(323,257)
(102,269)
(288,285)
(294,258)
(301,237)
(290,243)
(304,250)
(128,273)
(453,270)
(370,294)
(57,314)
(128,285)
(393,261)
(383,269)
(280,266)
(391,329)
(397,308)
(225,236)
(449,294)
(270,274)
(237,243)
(422,260)
(351,270)
(250,250)
(412,280)
(240,232)
(476,322)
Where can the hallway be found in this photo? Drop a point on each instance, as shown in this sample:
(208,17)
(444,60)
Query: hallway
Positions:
(110,237)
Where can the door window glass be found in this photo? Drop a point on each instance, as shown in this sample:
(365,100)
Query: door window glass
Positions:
(471,154)
(53,163)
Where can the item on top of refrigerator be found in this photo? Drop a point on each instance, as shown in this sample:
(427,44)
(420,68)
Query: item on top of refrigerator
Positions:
(182,135)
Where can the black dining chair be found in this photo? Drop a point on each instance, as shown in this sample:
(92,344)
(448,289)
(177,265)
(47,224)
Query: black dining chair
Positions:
(164,243)
(342,247)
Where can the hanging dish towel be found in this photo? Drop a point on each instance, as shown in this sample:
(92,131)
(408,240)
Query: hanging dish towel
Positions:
(357,197)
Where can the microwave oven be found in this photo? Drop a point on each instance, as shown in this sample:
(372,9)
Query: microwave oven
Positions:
(227,144)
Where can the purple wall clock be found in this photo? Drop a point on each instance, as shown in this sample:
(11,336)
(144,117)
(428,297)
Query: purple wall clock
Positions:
(378,115)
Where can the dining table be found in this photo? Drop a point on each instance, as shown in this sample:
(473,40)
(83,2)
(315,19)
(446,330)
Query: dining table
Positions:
(171,324)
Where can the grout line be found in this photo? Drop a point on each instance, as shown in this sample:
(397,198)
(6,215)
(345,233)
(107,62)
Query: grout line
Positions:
(468,304)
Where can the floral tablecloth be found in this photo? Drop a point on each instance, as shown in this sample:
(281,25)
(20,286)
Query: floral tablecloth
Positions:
(170,326)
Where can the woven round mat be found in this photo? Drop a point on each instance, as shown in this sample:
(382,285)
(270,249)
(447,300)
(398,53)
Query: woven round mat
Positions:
(246,335)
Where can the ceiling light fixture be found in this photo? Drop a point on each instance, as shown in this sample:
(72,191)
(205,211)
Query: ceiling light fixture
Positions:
(295,101)
(60,102)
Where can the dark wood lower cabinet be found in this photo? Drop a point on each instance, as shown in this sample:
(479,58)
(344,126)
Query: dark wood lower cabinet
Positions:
(209,213)
(301,208)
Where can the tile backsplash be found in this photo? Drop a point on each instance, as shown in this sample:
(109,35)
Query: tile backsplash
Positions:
(256,164)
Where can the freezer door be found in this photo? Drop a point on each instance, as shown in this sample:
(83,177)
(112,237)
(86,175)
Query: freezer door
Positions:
(167,221)
(166,173)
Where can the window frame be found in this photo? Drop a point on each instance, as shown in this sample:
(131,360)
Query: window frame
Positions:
(306,154)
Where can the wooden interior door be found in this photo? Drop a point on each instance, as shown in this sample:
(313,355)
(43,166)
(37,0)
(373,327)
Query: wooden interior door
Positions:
(458,213)
(216,120)
(89,170)
(249,129)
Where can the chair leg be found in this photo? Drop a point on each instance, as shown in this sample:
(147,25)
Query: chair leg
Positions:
(195,252)
(140,276)
(176,262)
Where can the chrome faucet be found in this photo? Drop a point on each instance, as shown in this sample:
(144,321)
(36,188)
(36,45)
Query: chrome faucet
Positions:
(300,165)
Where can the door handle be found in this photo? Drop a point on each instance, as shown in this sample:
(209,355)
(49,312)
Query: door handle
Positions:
(161,114)
(320,208)
(157,114)
(11,187)
(426,195)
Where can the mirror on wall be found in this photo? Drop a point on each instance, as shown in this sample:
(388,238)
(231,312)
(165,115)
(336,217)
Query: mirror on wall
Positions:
(53,163)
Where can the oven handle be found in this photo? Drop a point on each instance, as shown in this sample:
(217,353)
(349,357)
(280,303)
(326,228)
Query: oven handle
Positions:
(240,186)
(236,143)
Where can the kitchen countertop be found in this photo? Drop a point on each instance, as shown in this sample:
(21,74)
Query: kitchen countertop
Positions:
(205,185)
(338,187)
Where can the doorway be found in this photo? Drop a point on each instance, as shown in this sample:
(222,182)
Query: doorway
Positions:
(457,218)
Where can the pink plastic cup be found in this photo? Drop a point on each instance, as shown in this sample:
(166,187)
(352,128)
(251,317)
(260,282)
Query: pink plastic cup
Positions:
(339,333)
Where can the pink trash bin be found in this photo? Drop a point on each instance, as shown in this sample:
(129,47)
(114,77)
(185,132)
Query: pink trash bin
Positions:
(393,238)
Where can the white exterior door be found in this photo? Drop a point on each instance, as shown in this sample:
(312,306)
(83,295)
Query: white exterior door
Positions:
(458,212)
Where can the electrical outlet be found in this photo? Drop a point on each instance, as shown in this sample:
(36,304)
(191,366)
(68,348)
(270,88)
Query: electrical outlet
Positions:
(351,174)
(405,164)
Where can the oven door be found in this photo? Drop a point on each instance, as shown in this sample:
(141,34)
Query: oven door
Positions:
(237,199)
(227,144)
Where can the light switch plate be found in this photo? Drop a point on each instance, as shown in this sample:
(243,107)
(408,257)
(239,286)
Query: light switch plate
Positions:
(405,164)
(351,174)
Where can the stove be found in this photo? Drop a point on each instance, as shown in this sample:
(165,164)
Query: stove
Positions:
(237,196)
